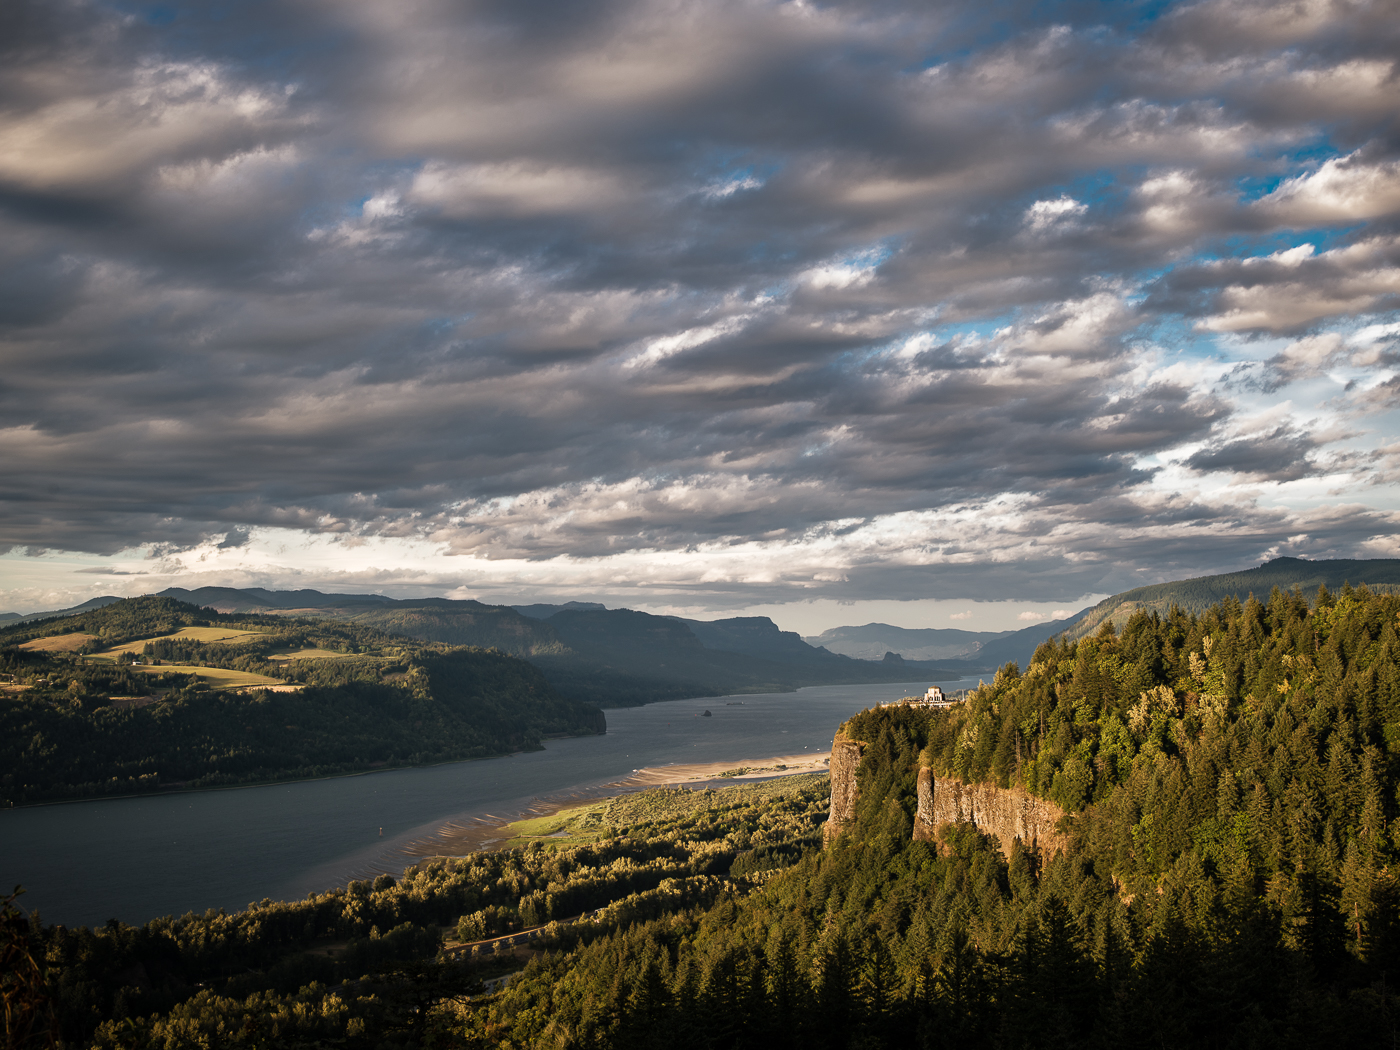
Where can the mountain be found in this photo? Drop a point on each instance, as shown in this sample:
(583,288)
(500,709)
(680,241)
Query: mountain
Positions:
(540,611)
(1198,594)
(266,698)
(760,636)
(451,621)
(966,652)
(1019,645)
(1194,596)
(256,599)
(92,603)
(620,657)
(872,640)
(589,653)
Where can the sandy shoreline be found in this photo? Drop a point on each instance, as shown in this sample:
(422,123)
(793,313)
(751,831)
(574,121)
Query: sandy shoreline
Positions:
(454,840)
(747,769)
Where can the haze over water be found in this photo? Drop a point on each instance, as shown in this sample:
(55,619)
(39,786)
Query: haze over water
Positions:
(138,858)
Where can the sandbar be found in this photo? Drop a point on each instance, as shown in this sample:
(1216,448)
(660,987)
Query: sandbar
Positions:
(748,769)
(487,831)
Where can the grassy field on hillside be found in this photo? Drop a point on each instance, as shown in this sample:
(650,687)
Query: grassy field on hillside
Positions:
(610,817)
(60,643)
(308,654)
(191,634)
(217,676)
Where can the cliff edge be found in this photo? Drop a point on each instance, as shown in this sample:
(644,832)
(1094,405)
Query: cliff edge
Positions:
(1006,813)
(845,761)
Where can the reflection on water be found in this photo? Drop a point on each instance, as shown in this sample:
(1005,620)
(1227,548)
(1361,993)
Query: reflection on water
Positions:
(137,858)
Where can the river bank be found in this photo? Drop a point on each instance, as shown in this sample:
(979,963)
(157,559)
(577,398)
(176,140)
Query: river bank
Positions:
(489,830)
(168,854)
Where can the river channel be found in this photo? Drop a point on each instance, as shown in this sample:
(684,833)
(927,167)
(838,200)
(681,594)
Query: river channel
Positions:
(138,858)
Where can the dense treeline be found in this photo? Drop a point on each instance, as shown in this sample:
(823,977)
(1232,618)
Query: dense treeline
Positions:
(456,623)
(361,961)
(1381,576)
(115,624)
(1228,881)
(385,702)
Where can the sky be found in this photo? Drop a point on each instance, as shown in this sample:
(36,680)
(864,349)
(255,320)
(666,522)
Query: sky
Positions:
(956,314)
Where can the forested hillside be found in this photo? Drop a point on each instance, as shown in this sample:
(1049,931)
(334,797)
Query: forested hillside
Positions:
(1380,575)
(359,967)
(155,715)
(1227,879)
(606,657)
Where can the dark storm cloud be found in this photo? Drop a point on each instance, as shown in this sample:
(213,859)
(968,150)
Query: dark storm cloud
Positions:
(538,279)
(1279,455)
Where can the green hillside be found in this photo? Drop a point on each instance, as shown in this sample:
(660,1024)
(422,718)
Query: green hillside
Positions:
(1197,595)
(606,657)
(128,698)
(453,623)
(1228,879)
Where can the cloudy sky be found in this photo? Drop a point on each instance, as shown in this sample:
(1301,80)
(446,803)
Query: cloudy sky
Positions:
(956,312)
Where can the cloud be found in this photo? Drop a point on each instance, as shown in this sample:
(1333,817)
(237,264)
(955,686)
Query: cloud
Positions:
(1032,617)
(746,297)
(1277,455)
(961,616)
(1344,189)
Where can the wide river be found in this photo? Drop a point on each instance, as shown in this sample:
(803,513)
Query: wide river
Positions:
(138,858)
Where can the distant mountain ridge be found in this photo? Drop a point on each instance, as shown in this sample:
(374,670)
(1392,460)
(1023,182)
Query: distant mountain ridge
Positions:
(92,603)
(1199,594)
(608,657)
(257,599)
(619,657)
(872,640)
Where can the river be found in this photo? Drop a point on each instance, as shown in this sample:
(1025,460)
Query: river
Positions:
(138,858)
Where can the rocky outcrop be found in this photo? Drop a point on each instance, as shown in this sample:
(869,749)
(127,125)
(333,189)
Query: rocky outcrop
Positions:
(845,760)
(1004,813)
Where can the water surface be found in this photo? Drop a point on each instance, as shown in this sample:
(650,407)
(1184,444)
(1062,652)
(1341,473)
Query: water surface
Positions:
(137,858)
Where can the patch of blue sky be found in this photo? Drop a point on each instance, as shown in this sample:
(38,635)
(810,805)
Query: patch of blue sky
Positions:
(381,176)
(745,177)
(440,326)
(979,331)
(992,24)
(1287,164)
(935,335)
(871,256)
(1177,336)
(1103,191)
(236,30)
(726,172)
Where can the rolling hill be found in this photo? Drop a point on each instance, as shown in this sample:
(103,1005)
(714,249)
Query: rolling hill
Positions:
(158,693)
(1199,594)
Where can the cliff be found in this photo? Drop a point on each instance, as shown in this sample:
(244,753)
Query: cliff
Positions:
(1005,813)
(845,761)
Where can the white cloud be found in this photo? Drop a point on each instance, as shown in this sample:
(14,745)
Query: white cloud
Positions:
(1043,216)
(1344,189)
(515,189)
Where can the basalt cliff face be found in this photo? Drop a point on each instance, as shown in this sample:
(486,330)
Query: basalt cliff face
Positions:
(845,760)
(1004,813)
